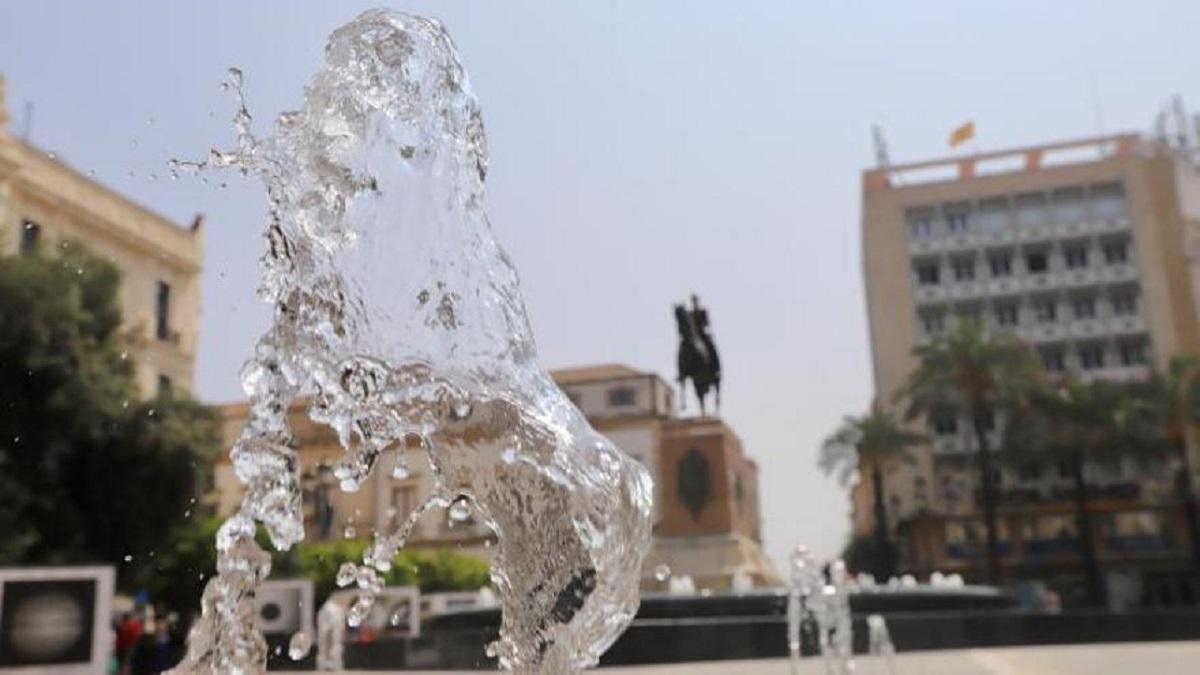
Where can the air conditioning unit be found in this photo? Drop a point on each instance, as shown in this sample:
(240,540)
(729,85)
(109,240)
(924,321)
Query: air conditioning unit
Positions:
(284,606)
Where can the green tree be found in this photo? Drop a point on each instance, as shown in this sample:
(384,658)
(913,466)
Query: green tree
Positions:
(183,566)
(980,375)
(1177,393)
(89,473)
(869,445)
(1081,425)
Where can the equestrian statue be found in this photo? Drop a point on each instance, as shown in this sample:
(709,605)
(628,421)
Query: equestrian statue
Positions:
(698,360)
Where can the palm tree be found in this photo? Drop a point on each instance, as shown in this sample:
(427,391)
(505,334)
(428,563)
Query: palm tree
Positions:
(1079,425)
(868,445)
(1178,395)
(971,372)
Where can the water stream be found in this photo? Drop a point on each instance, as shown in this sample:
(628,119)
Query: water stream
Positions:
(400,318)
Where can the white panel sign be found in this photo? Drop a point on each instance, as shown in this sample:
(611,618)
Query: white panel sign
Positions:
(55,620)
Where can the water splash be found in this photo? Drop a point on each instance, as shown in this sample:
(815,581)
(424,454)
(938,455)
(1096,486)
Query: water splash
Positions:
(399,314)
(822,610)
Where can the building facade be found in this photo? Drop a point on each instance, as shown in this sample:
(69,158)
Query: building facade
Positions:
(45,202)
(1081,249)
(706,513)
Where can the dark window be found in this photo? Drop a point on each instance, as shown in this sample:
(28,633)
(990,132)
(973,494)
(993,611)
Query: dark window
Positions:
(1124,303)
(1006,314)
(621,396)
(964,269)
(1076,256)
(31,232)
(1132,353)
(1084,307)
(956,222)
(162,311)
(971,313)
(933,321)
(922,228)
(1001,264)
(928,273)
(1064,468)
(1029,471)
(987,421)
(1116,252)
(1091,357)
(1046,310)
(1053,359)
(164,385)
(1035,262)
(944,424)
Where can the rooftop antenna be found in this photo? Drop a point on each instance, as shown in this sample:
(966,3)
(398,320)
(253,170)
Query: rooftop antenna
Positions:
(881,151)
(1181,125)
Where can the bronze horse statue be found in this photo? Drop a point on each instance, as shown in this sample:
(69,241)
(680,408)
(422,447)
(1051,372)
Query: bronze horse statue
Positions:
(697,360)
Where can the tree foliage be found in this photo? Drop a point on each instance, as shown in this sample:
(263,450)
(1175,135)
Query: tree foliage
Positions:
(977,374)
(180,570)
(89,473)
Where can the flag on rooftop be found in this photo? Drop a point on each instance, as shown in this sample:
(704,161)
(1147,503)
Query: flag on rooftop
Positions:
(962,134)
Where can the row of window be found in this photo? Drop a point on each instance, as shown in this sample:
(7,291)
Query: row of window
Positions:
(1091,355)
(617,397)
(1043,309)
(31,236)
(1076,255)
(1067,204)
(1126,352)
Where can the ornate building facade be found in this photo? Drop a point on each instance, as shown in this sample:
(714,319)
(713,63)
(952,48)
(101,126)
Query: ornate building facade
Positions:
(707,521)
(44,202)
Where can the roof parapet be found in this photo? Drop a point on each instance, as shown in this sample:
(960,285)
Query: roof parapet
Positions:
(1018,160)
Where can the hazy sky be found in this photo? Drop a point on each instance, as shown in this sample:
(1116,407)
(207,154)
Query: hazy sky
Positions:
(640,151)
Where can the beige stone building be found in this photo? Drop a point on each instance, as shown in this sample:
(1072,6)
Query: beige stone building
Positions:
(1084,250)
(712,535)
(43,202)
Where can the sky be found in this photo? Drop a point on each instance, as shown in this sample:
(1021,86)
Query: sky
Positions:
(640,151)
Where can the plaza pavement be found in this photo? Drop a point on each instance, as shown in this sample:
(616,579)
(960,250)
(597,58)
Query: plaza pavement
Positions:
(1135,658)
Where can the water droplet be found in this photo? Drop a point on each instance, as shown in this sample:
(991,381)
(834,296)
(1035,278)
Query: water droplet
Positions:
(462,410)
(128,558)
(131,174)
(460,511)
(349,532)
(346,574)
(662,572)
(150,412)
(52,155)
(187,513)
(149,121)
(152,176)
(91,173)
(400,472)
(299,645)
(124,354)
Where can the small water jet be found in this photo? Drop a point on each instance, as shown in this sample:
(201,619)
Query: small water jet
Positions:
(822,610)
(398,313)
